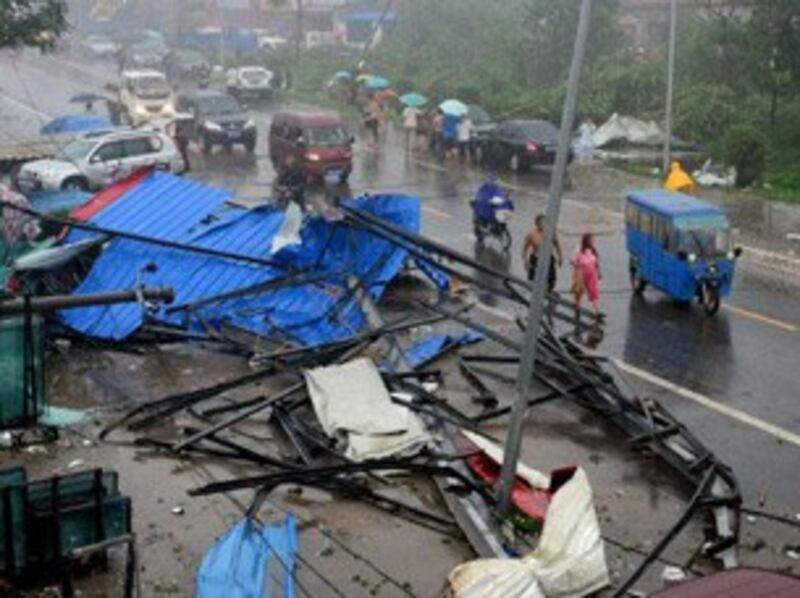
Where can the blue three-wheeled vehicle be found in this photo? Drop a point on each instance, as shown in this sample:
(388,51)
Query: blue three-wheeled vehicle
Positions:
(681,246)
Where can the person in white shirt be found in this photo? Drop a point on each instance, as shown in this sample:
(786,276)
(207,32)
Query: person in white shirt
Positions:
(410,124)
(464,134)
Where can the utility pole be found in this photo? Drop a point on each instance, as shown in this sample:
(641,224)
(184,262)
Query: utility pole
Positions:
(299,32)
(527,362)
(673,11)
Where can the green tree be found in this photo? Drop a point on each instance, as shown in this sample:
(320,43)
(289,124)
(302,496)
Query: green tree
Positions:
(36,23)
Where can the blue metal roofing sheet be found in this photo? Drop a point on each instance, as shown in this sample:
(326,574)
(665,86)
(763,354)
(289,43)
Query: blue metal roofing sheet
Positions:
(162,205)
(672,204)
(308,313)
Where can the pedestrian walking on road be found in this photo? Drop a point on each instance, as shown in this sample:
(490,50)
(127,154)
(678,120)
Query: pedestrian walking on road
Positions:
(586,274)
(449,134)
(410,125)
(372,121)
(464,136)
(530,253)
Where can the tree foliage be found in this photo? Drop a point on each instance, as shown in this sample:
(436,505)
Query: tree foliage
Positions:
(35,23)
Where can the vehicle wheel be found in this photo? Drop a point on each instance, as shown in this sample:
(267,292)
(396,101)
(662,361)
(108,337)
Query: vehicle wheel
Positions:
(75,183)
(207,145)
(250,146)
(343,178)
(638,283)
(709,298)
(514,162)
(505,237)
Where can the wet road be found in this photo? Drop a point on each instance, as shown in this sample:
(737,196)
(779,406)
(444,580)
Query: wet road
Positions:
(731,379)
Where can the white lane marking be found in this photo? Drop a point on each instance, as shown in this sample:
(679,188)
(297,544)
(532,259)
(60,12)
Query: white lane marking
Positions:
(753,315)
(437,213)
(711,404)
(18,104)
(684,393)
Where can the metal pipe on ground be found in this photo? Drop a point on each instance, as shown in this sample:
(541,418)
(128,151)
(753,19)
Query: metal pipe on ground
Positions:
(17,305)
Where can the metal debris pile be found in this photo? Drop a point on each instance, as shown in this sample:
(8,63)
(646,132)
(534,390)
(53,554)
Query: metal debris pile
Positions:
(349,380)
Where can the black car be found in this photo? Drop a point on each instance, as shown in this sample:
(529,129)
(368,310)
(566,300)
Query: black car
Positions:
(218,119)
(518,144)
(188,65)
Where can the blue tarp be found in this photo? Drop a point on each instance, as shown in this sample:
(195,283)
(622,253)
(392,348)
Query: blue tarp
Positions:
(248,562)
(309,314)
(75,123)
(429,346)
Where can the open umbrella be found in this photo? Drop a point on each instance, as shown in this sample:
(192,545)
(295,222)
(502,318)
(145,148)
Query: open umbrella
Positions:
(385,95)
(74,123)
(454,107)
(413,99)
(85,97)
(375,82)
(342,75)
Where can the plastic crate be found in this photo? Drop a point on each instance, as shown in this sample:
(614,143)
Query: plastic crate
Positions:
(42,521)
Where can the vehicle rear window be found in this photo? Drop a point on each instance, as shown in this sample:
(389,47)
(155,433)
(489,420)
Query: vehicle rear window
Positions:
(326,136)
(539,130)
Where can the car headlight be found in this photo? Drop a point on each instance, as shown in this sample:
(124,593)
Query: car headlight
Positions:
(212,126)
(250,124)
(140,110)
(692,258)
(312,157)
(169,108)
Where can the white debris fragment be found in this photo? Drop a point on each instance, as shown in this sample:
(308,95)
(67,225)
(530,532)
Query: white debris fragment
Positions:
(75,463)
(751,518)
(672,576)
(177,510)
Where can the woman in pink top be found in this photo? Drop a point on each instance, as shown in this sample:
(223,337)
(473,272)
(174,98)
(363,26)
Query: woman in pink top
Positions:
(586,273)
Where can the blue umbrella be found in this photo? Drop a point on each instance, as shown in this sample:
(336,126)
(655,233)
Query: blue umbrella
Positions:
(342,75)
(375,82)
(454,107)
(413,99)
(74,123)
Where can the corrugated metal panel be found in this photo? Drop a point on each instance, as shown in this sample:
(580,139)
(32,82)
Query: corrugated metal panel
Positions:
(309,314)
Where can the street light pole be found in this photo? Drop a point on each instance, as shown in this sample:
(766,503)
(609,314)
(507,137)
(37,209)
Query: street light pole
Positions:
(535,312)
(673,11)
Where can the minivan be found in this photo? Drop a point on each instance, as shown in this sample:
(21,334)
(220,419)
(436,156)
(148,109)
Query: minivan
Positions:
(317,142)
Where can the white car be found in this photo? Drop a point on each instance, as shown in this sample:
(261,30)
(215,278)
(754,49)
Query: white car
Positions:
(98,159)
(145,95)
(252,81)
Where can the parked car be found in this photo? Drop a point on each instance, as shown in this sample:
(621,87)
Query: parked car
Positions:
(144,95)
(97,159)
(249,81)
(218,119)
(315,142)
(518,144)
(98,46)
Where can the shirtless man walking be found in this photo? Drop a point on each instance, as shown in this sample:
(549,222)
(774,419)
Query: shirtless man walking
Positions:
(530,253)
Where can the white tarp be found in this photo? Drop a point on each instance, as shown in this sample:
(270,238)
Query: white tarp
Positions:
(568,561)
(289,232)
(627,130)
(352,402)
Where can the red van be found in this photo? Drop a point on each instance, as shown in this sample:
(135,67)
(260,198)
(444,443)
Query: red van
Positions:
(316,141)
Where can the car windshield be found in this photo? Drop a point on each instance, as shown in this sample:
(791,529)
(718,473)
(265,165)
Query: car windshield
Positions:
(218,106)
(151,87)
(75,151)
(254,75)
(326,136)
(705,237)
